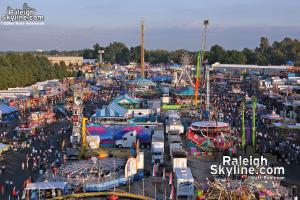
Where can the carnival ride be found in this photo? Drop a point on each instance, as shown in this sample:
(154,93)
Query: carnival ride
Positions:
(248,189)
(36,120)
(210,135)
(200,57)
(208,131)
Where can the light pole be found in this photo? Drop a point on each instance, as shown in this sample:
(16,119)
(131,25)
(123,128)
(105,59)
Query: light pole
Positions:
(101,52)
(143,187)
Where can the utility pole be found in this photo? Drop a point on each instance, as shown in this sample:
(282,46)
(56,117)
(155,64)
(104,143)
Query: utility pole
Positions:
(142,50)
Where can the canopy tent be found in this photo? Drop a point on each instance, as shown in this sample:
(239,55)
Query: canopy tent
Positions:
(105,133)
(143,133)
(185,91)
(110,111)
(126,99)
(140,81)
(175,66)
(272,116)
(47,185)
(3,147)
(7,109)
(119,77)
(295,126)
(258,106)
(162,78)
(108,135)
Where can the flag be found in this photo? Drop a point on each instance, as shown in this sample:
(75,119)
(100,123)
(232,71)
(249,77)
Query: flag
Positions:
(154,170)
(164,174)
(171,179)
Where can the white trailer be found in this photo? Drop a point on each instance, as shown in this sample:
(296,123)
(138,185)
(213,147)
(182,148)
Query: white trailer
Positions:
(174,143)
(184,182)
(179,159)
(172,122)
(157,146)
(174,126)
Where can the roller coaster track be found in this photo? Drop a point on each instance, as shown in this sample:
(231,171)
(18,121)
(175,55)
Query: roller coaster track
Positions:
(102,194)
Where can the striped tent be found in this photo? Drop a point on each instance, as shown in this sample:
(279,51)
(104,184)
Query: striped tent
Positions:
(112,110)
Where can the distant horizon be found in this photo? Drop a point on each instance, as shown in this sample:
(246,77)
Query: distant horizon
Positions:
(170,25)
(191,50)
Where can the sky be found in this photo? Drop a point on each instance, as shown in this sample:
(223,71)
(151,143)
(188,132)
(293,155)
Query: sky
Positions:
(169,24)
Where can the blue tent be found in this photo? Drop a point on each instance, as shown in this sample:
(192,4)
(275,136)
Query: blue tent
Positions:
(162,78)
(140,81)
(7,109)
(186,91)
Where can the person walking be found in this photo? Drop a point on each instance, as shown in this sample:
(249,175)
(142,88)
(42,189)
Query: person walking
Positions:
(2,189)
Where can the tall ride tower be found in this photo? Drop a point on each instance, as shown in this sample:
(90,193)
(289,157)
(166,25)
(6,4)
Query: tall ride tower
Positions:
(142,50)
(200,58)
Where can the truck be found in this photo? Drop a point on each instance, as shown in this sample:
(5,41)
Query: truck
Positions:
(130,138)
(157,146)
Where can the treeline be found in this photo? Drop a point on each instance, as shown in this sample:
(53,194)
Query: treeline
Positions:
(278,53)
(19,70)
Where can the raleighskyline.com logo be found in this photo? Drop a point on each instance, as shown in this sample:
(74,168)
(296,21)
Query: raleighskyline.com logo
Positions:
(254,167)
(25,16)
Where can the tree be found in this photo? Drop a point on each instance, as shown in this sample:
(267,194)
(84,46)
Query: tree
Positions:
(235,57)
(96,47)
(175,56)
(250,56)
(88,54)
(217,54)
(117,52)
(135,54)
(79,73)
(18,70)
(159,56)
(277,57)
(263,52)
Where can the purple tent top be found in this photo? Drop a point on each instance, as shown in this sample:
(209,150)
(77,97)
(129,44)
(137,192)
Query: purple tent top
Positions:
(143,133)
(105,133)
(108,135)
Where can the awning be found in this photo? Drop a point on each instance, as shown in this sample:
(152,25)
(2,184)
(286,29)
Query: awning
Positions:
(47,185)
(7,109)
